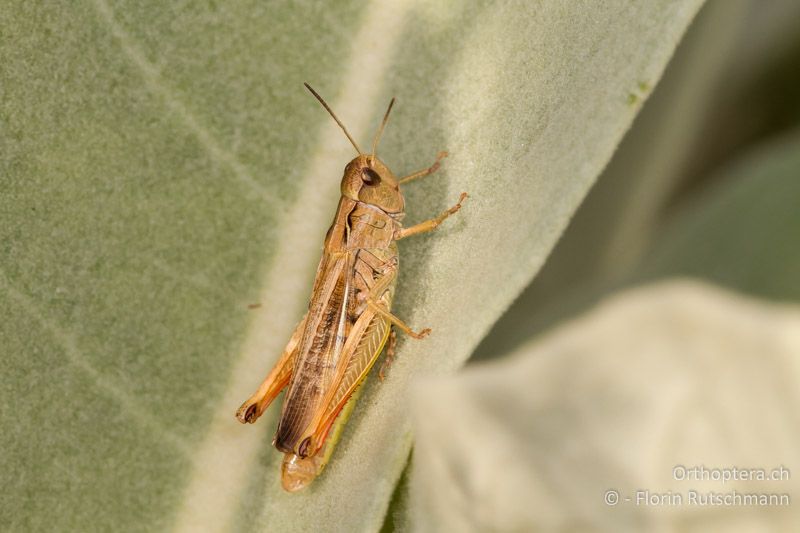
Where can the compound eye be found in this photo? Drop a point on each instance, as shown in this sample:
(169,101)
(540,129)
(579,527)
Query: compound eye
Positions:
(370,177)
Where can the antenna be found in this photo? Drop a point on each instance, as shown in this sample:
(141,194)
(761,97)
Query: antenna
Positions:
(339,122)
(380,129)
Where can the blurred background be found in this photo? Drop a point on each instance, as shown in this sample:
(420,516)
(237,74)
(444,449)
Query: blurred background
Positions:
(663,329)
(701,185)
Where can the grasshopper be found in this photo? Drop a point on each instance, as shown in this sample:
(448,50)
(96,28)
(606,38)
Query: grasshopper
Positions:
(349,318)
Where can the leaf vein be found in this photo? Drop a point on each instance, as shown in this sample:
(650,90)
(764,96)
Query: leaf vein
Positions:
(152,79)
(75,357)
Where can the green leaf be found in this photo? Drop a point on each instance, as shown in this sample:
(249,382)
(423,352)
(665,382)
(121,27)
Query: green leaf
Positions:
(675,373)
(163,169)
(729,84)
(740,231)
(615,225)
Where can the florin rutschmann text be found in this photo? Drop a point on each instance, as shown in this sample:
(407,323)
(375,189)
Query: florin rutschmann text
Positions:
(702,474)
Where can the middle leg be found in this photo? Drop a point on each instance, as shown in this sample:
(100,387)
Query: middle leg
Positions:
(380,309)
(432,224)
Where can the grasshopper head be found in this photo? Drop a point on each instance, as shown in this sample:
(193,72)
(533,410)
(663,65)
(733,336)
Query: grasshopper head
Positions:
(367,179)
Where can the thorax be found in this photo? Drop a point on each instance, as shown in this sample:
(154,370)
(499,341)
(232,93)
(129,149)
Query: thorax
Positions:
(371,228)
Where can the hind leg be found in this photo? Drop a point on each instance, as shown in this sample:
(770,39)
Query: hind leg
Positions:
(275,381)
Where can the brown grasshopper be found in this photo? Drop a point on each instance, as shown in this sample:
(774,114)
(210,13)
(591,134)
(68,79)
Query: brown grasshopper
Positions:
(349,317)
